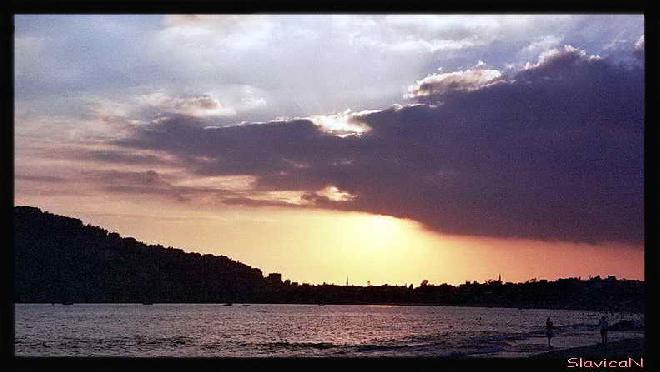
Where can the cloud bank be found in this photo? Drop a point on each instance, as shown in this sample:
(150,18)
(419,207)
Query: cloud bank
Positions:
(551,151)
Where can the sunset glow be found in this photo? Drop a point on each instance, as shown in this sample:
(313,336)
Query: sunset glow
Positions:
(319,246)
(388,149)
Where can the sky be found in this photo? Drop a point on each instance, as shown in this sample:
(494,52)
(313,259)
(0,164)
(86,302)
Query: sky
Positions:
(381,148)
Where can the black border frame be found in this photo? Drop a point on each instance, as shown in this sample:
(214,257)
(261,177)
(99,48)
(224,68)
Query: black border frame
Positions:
(651,136)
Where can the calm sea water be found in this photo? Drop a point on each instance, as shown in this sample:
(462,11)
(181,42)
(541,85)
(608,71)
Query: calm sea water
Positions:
(241,330)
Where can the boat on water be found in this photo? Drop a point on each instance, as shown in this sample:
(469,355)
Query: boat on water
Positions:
(228,304)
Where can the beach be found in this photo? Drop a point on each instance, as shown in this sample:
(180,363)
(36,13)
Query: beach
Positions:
(623,349)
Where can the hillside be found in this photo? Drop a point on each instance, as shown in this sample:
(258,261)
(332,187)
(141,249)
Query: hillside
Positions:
(58,259)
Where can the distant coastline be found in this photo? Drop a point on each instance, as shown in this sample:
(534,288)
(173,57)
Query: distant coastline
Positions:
(635,312)
(60,260)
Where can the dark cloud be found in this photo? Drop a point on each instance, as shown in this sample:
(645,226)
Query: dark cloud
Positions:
(148,183)
(554,152)
(111,156)
(246,201)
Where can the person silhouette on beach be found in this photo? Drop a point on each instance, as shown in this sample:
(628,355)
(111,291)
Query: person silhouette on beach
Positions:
(549,330)
(603,325)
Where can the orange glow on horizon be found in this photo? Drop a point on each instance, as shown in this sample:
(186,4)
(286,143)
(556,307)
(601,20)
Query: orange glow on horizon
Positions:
(316,246)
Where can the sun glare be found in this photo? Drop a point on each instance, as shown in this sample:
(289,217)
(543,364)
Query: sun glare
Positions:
(342,124)
(383,225)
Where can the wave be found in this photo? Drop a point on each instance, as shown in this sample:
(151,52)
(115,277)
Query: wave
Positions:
(298,345)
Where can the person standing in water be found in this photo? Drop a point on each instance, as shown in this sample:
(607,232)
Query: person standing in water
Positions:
(603,325)
(549,330)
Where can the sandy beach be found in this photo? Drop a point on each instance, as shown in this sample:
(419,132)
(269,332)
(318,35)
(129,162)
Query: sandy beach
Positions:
(618,349)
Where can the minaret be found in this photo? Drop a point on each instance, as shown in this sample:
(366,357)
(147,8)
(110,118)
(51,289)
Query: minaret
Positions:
(347,280)
(499,278)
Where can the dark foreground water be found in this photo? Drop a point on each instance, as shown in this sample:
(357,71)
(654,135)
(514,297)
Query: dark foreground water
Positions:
(241,330)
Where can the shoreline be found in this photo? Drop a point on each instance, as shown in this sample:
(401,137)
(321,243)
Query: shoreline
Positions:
(622,349)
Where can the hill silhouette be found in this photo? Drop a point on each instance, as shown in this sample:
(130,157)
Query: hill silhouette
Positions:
(60,260)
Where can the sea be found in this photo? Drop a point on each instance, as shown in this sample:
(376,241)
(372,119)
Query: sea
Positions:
(275,330)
